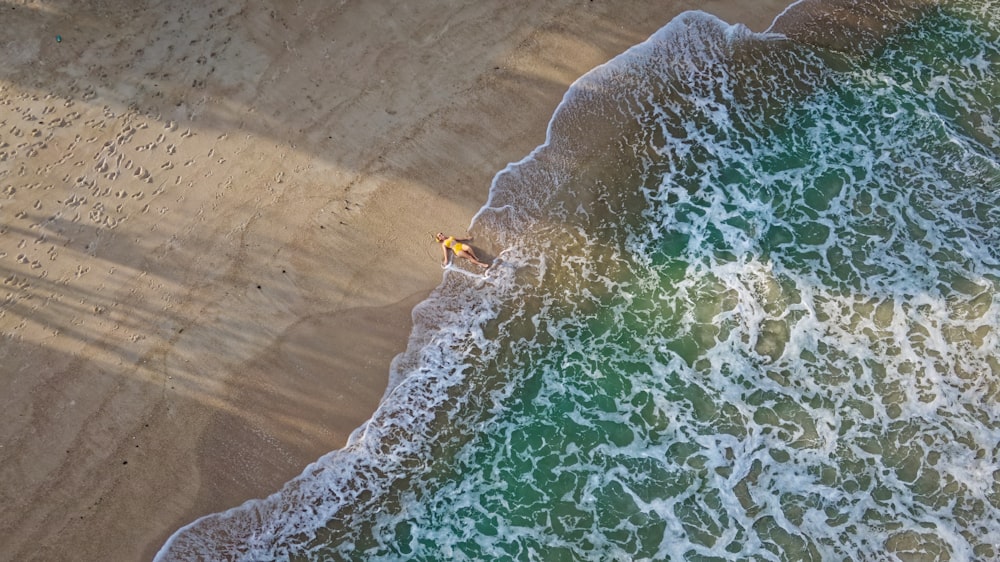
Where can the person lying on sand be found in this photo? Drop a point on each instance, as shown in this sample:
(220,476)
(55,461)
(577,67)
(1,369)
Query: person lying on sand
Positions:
(458,248)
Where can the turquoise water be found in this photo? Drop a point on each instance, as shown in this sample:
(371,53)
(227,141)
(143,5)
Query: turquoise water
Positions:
(745,308)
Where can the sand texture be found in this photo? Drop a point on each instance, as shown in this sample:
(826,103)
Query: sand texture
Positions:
(215,218)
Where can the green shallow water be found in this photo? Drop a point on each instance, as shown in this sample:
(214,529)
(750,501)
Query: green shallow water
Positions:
(789,353)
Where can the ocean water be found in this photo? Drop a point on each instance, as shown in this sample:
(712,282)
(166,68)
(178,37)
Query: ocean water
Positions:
(745,307)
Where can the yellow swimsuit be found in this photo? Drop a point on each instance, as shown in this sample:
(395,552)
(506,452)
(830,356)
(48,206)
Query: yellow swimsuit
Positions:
(454,245)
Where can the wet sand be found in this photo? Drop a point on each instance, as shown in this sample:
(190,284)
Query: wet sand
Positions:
(215,220)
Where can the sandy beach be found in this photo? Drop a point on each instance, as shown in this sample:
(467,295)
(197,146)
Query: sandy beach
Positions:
(215,220)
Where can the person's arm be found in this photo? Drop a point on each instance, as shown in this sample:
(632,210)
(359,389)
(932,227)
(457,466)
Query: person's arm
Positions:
(469,239)
(444,252)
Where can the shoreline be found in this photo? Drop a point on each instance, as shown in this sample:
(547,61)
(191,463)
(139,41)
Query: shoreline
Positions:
(217,226)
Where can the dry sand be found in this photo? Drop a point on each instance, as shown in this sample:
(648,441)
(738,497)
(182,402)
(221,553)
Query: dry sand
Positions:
(215,218)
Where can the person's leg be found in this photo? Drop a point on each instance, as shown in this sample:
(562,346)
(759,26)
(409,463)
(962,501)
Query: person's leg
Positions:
(467,254)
